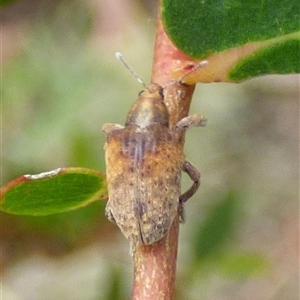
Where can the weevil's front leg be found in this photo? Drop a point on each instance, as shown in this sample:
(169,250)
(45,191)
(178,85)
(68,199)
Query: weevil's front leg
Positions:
(190,121)
(195,176)
(109,127)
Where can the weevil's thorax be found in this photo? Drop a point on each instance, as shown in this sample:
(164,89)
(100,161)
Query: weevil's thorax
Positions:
(149,108)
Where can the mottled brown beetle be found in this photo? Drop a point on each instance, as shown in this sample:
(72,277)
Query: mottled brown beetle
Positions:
(144,161)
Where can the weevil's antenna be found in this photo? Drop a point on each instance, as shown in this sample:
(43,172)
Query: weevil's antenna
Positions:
(195,68)
(119,56)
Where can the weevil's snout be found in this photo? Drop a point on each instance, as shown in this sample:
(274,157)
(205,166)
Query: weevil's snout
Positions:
(149,108)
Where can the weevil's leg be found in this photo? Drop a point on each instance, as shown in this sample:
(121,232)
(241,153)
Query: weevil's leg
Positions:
(190,121)
(109,127)
(195,176)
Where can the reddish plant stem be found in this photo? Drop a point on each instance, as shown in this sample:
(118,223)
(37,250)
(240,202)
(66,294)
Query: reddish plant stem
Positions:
(154,268)
(155,265)
(167,58)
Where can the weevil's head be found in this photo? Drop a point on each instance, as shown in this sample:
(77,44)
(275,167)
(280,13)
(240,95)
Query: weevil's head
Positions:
(149,108)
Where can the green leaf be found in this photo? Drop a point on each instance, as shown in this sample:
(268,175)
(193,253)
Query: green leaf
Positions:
(228,32)
(52,192)
(273,59)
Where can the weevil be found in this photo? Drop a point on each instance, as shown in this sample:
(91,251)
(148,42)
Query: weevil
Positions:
(144,161)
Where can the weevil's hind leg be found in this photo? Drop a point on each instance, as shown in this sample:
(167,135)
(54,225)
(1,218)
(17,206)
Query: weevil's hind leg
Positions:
(109,127)
(190,121)
(195,176)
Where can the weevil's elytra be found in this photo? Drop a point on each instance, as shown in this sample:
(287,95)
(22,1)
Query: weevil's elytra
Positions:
(144,161)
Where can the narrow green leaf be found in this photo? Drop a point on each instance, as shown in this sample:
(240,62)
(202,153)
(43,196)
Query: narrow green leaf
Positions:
(242,265)
(217,228)
(115,289)
(52,192)
(6,2)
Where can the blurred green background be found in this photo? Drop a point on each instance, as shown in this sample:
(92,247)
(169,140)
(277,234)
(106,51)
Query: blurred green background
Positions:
(61,82)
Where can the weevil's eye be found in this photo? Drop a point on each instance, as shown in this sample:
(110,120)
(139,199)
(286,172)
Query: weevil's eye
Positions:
(153,90)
